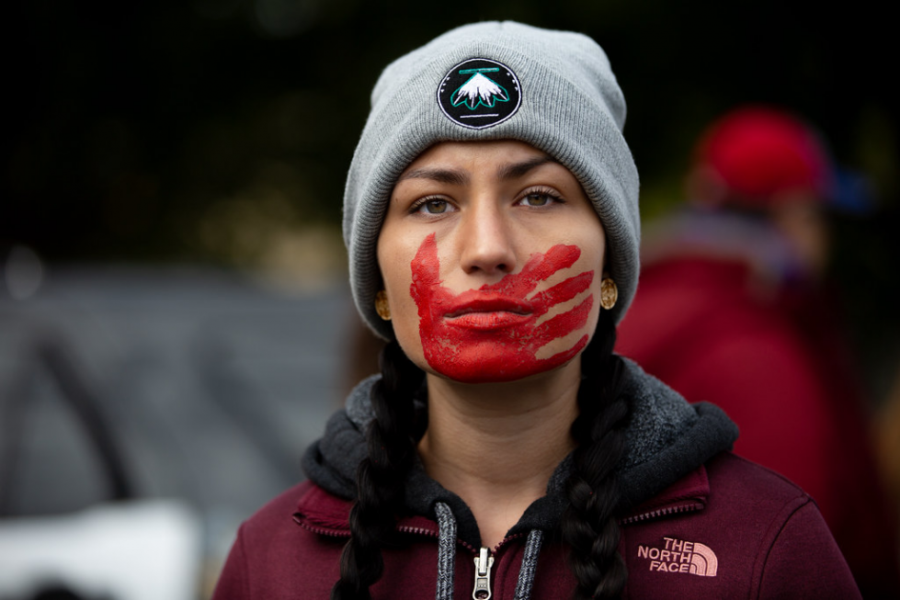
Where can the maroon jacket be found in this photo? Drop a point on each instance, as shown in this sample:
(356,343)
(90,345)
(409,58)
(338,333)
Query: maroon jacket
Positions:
(698,522)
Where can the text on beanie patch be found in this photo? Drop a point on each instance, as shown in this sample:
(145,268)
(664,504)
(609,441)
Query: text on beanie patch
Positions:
(479,93)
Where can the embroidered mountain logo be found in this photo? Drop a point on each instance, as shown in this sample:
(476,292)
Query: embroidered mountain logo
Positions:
(479,93)
(679,556)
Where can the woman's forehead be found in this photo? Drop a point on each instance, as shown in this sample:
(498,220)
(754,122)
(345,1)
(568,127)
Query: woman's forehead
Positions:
(462,151)
(451,162)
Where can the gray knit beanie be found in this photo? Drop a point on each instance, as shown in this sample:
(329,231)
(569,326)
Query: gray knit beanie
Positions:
(489,81)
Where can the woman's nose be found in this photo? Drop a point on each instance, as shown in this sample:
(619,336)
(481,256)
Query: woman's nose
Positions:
(486,241)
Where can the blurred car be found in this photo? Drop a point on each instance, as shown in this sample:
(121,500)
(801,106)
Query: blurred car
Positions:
(143,415)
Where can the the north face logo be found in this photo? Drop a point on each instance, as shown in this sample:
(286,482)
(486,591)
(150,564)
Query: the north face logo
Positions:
(679,556)
(479,93)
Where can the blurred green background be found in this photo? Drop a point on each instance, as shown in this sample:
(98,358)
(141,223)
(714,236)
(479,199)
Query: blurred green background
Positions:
(219,131)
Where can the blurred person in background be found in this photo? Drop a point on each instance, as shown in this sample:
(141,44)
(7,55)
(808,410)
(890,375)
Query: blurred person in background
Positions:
(734,308)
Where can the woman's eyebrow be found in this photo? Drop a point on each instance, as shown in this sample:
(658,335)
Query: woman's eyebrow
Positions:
(514,171)
(439,175)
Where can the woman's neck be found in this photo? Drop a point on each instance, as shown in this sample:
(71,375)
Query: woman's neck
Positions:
(496,445)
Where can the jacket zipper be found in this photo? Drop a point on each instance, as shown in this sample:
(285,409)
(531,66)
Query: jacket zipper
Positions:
(402,529)
(321,530)
(483,563)
(663,512)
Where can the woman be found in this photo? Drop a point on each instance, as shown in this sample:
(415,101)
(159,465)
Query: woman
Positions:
(492,224)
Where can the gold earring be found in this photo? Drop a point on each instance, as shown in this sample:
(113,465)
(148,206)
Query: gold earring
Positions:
(381,305)
(609,293)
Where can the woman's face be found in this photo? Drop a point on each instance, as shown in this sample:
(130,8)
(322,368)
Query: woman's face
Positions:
(491,257)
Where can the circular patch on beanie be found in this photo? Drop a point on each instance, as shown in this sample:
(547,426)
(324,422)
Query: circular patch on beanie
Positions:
(479,93)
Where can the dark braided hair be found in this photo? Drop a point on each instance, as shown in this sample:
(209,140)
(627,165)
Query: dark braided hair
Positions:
(588,525)
(380,477)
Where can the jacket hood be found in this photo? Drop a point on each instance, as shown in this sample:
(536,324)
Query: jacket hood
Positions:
(667,438)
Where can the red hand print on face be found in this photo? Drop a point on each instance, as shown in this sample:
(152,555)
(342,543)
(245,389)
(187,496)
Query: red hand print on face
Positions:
(492,334)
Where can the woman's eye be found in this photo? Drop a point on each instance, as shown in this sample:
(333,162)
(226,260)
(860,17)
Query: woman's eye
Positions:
(435,206)
(537,199)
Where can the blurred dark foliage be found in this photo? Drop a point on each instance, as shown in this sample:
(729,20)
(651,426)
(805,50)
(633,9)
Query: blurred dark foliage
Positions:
(130,125)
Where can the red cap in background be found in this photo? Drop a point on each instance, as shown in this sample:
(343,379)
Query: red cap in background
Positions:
(759,156)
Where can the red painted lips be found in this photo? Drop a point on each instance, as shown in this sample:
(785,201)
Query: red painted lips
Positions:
(487,311)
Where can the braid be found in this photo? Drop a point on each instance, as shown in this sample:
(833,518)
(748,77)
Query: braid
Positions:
(381,475)
(589,525)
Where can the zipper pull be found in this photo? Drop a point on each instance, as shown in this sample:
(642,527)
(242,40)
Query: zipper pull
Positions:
(483,564)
